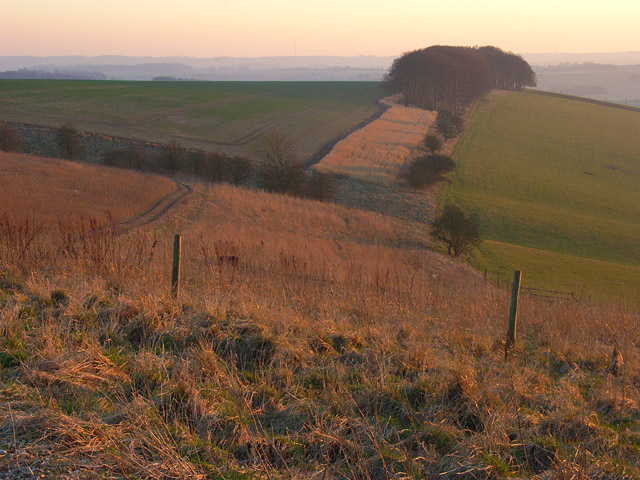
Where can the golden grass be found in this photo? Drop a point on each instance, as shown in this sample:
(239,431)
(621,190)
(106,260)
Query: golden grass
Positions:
(378,151)
(339,346)
(46,189)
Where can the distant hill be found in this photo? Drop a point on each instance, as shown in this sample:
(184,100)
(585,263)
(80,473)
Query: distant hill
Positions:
(606,82)
(361,68)
(26,74)
(612,58)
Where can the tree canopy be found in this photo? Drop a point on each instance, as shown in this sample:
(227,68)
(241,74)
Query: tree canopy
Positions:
(443,77)
(509,71)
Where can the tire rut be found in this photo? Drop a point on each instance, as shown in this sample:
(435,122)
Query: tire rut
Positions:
(158,209)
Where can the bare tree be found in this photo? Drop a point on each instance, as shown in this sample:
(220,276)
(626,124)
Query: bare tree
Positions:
(281,172)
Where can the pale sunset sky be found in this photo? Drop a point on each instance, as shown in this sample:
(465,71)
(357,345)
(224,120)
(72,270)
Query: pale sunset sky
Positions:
(253,28)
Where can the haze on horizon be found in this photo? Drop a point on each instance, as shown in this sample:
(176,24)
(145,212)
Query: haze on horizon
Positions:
(254,28)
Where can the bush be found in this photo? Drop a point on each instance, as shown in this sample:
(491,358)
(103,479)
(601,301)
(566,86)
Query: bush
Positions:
(429,169)
(321,186)
(240,169)
(197,163)
(218,168)
(456,231)
(433,143)
(448,124)
(10,139)
(134,158)
(69,145)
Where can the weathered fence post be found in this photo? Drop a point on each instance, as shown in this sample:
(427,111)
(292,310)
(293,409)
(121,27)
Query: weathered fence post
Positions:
(175,272)
(513,312)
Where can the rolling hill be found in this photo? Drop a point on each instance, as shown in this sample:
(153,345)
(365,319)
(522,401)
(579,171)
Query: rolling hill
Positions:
(555,186)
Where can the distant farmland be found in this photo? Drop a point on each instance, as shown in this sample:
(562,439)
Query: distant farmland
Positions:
(222,116)
(555,186)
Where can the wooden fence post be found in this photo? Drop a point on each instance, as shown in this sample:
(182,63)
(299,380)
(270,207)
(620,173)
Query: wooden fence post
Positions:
(513,312)
(175,272)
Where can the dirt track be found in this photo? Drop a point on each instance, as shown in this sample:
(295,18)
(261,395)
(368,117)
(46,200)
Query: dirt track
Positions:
(159,208)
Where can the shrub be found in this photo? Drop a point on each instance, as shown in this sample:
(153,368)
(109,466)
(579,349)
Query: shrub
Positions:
(69,144)
(456,231)
(196,163)
(321,186)
(10,139)
(433,143)
(429,169)
(134,158)
(239,169)
(448,124)
(215,168)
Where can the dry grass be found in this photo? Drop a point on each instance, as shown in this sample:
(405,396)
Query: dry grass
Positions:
(46,189)
(339,346)
(377,152)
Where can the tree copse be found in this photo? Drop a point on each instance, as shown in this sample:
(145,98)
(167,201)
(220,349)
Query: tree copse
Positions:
(450,78)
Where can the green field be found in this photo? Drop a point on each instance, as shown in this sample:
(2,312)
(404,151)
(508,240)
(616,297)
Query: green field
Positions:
(555,186)
(222,116)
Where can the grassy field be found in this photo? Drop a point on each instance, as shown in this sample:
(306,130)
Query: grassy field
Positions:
(339,346)
(555,186)
(222,116)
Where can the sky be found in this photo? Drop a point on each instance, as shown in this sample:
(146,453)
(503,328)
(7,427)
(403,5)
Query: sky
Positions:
(255,28)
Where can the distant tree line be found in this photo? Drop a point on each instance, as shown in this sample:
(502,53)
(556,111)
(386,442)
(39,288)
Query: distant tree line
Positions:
(450,78)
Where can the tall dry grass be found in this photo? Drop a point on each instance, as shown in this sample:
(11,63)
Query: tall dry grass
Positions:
(45,189)
(338,346)
(377,152)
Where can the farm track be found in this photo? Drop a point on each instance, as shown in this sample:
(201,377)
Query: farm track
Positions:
(158,209)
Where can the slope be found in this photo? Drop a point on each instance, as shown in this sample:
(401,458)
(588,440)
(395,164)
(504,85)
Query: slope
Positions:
(555,186)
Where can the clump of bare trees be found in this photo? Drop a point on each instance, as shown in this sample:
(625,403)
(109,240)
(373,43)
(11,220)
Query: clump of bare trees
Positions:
(69,144)
(450,78)
(10,139)
(282,172)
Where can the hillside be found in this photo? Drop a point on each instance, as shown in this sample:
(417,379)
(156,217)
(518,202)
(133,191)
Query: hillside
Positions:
(555,186)
(338,346)
(222,116)
(45,190)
